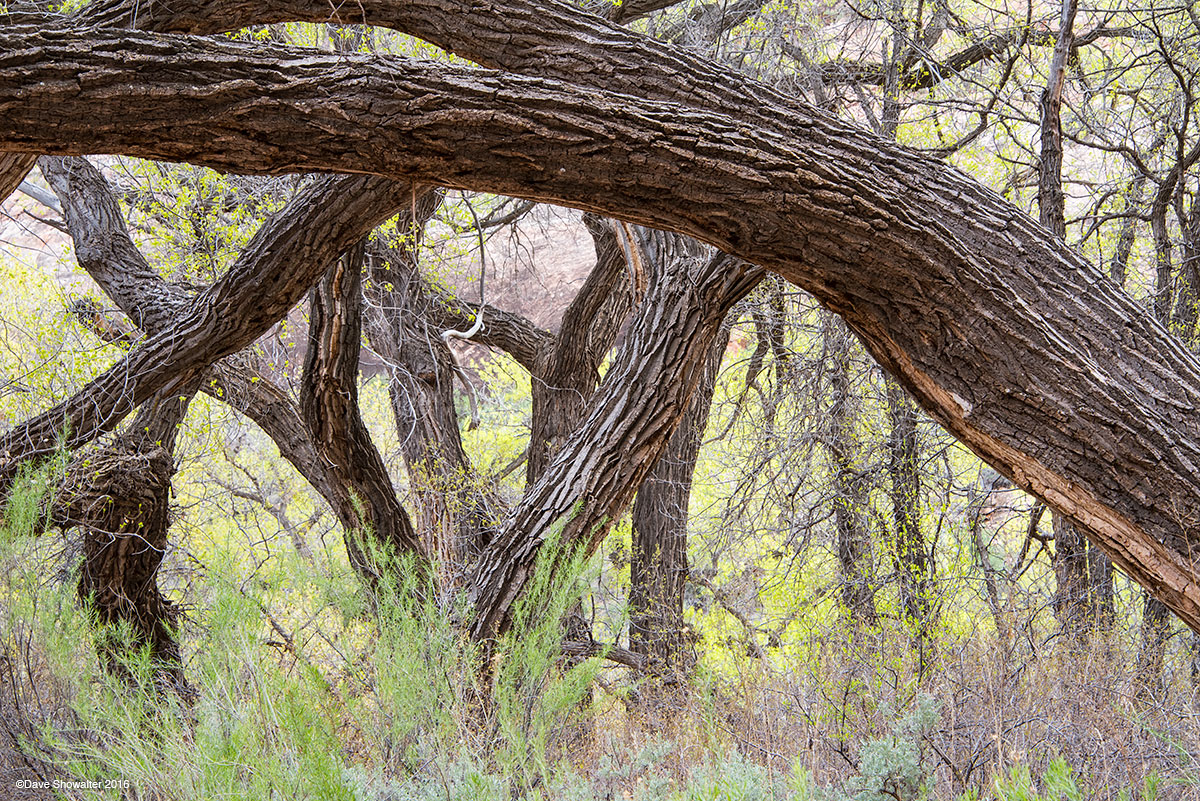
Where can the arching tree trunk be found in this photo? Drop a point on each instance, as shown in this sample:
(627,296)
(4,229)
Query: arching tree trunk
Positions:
(1004,335)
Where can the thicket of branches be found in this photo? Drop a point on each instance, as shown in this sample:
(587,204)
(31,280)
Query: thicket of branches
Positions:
(415,540)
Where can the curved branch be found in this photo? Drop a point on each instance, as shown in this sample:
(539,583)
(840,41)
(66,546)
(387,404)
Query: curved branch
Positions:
(1014,343)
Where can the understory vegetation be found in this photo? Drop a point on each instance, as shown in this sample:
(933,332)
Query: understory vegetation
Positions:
(308,686)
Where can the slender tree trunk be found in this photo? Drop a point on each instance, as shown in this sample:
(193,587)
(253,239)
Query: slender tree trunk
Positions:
(1156,617)
(854,547)
(1073,596)
(914,563)
(1118,266)
(659,569)
(456,516)
(1188,297)
(1156,629)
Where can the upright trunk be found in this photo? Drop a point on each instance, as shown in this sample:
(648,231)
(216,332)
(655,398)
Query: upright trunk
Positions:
(1119,265)
(1156,617)
(854,547)
(454,512)
(1072,600)
(1072,597)
(914,563)
(1188,297)
(1156,630)
(120,501)
(659,569)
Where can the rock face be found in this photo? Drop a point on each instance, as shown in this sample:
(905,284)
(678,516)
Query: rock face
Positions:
(536,267)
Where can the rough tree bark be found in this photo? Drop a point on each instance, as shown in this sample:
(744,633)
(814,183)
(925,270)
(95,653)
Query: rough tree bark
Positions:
(1029,357)
(119,499)
(594,475)
(568,372)
(329,406)
(13,169)
(104,249)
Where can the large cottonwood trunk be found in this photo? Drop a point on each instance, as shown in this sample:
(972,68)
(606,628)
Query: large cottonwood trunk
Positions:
(1010,340)
(633,416)
(118,498)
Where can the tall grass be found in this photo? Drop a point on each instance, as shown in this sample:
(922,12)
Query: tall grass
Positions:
(305,691)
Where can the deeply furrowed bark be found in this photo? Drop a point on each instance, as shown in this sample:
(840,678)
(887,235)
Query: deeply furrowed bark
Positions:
(329,406)
(104,249)
(630,421)
(567,372)
(119,499)
(1010,340)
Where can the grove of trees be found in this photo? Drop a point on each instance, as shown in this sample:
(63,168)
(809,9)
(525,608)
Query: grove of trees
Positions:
(843,250)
